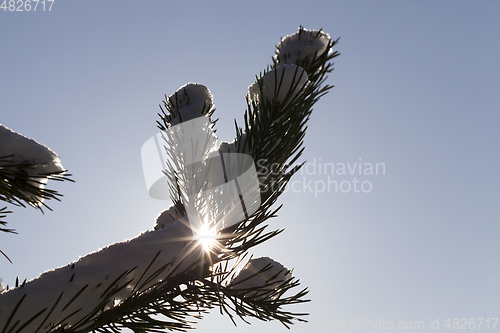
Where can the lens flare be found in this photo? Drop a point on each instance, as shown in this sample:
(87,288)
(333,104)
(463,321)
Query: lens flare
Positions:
(207,237)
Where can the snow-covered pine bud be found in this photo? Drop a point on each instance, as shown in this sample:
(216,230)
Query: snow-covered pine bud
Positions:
(189,102)
(263,273)
(304,46)
(284,82)
(28,151)
(35,161)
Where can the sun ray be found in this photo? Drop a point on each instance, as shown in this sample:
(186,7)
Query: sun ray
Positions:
(207,237)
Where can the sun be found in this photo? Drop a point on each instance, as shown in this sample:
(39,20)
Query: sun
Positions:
(207,237)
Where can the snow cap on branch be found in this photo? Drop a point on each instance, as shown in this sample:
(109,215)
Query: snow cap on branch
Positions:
(284,82)
(41,159)
(228,147)
(167,217)
(29,162)
(303,46)
(263,273)
(189,102)
(234,146)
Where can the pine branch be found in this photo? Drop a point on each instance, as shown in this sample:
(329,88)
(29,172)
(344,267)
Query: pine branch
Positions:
(20,186)
(4,211)
(175,288)
(273,135)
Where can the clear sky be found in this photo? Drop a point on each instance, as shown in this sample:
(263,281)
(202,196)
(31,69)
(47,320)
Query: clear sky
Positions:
(416,90)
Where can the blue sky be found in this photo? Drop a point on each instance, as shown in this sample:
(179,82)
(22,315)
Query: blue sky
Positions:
(416,88)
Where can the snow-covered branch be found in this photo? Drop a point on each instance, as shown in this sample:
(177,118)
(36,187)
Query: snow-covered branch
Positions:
(166,277)
(25,168)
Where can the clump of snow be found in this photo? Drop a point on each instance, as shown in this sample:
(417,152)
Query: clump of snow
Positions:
(263,273)
(167,218)
(304,45)
(284,82)
(228,147)
(234,146)
(28,151)
(28,159)
(109,275)
(189,102)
